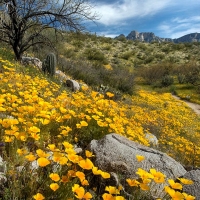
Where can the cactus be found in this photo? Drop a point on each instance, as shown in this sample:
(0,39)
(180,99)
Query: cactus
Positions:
(50,64)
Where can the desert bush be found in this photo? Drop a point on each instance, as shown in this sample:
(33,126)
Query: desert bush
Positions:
(69,53)
(95,55)
(142,46)
(167,80)
(191,71)
(117,78)
(148,59)
(181,78)
(154,73)
(128,54)
(166,49)
(193,75)
(107,47)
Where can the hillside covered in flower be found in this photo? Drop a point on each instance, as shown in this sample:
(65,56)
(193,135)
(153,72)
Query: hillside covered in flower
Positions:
(38,116)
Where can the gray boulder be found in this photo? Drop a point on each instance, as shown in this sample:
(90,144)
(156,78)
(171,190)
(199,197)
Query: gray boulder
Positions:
(73,85)
(31,60)
(193,189)
(61,76)
(115,153)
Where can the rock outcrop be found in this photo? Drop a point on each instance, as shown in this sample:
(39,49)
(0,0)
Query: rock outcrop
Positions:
(151,37)
(32,60)
(192,37)
(115,153)
(146,37)
(193,189)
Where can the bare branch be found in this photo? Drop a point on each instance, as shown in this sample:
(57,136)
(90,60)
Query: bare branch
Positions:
(22,21)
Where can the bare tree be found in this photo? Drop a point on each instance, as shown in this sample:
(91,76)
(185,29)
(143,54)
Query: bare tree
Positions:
(24,22)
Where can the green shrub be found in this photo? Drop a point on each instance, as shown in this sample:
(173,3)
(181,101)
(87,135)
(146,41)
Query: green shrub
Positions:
(95,55)
(127,55)
(167,80)
(181,78)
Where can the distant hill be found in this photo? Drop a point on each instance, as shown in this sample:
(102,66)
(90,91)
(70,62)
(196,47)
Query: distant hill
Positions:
(151,37)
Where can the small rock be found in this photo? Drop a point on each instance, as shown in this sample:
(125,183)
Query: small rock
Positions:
(74,85)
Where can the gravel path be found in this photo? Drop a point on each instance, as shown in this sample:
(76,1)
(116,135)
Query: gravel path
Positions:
(194,106)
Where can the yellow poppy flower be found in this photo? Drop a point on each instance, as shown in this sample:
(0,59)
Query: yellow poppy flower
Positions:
(188,197)
(158,176)
(88,154)
(185,181)
(30,157)
(112,190)
(107,196)
(38,196)
(140,158)
(54,186)
(41,153)
(132,182)
(86,164)
(43,162)
(55,177)
(105,175)
(96,171)
(175,185)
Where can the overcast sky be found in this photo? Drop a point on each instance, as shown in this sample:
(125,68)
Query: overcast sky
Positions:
(165,18)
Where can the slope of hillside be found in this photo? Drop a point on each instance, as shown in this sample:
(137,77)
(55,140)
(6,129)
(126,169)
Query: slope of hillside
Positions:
(41,121)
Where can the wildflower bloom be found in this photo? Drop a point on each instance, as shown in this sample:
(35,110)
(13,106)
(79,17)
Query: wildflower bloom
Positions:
(109,94)
(43,162)
(96,171)
(188,197)
(30,157)
(185,181)
(144,186)
(82,123)
(107,196)
(55,177)
(84,182)
(175,185)
(41,153)
(105,175)
(174,194)
(88,154)
(132,182)
(80,175)
(80,192)
(38,196)
(65,179)
(144,174)
(140,158)
(112,190)
(158,176)
(86,164)
(54,186)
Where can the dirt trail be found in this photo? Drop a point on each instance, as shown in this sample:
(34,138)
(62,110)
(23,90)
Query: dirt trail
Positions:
(194,106)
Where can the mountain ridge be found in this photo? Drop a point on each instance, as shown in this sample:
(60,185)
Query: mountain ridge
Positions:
(151,37)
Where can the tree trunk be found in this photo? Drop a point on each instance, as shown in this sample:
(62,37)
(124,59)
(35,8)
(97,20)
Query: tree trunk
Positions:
(18,54)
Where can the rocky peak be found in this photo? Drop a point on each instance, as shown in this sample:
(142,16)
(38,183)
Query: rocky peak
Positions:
(192,37)
(151,37)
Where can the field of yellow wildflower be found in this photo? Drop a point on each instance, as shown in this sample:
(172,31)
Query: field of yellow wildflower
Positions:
(41,122)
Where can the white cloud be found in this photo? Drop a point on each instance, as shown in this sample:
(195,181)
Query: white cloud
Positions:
(112,14)
(178,27)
